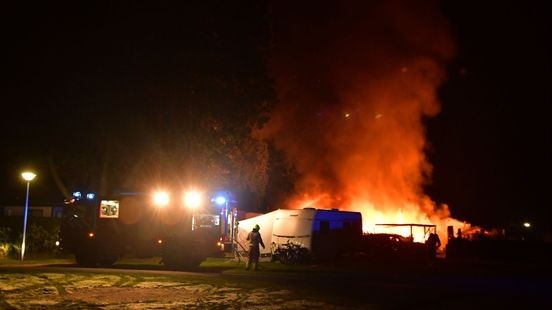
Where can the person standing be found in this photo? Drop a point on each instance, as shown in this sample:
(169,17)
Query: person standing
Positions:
(255,239)
(433,243)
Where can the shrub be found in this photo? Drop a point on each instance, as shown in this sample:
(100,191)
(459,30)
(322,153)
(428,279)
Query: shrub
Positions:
(40,239)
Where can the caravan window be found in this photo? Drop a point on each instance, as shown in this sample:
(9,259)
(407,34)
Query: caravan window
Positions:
(324,226)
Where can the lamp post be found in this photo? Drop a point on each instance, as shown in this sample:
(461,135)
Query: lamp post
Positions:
(27,176)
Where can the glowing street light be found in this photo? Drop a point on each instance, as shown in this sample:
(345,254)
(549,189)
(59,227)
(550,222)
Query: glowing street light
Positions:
(527,225)
(27,176)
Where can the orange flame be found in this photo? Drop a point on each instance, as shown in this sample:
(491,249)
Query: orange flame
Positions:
(355,86)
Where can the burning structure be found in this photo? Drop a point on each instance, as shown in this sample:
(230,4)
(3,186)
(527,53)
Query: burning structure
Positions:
(355,82)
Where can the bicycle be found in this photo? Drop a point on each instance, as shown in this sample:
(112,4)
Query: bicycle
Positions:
(290,253)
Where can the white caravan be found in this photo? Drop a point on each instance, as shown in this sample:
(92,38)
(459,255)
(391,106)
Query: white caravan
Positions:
(324,233)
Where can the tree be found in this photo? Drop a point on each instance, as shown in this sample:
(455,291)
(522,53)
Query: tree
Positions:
(184,113)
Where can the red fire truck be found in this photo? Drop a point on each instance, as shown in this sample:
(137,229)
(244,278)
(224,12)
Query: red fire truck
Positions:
(182,230)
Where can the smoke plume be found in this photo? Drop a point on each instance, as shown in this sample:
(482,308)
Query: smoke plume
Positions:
(355,81)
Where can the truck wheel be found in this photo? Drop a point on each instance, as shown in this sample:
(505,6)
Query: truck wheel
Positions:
(182,262)
(107,261)
(86,259)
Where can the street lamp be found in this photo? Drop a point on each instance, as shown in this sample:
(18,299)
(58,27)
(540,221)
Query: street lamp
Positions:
(27,176)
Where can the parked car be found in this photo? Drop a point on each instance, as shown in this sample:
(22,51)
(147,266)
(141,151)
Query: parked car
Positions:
(392,246)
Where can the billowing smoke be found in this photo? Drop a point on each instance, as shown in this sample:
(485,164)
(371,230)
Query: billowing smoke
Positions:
(355,82)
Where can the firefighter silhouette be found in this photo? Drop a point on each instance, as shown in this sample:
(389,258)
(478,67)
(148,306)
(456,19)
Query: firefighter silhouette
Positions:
(254,238)
(433,243)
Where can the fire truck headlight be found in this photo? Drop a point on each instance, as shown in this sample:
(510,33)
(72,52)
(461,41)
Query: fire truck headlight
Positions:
(192,199)
(161,199)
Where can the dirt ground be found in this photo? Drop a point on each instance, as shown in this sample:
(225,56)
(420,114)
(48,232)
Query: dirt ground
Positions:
(80,291)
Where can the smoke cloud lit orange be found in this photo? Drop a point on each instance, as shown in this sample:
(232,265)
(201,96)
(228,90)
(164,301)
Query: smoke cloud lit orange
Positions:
(355,83)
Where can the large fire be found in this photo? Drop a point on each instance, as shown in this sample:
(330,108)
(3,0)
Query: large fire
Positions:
(355,83)
(374,217)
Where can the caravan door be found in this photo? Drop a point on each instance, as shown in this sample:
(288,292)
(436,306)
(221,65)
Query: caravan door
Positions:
(295,226)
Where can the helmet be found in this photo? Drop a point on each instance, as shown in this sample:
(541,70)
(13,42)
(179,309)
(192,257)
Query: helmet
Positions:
(257,227)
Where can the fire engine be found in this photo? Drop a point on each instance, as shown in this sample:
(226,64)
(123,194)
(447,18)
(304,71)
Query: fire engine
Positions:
(182,231)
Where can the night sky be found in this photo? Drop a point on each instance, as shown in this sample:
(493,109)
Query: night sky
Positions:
(492,142)
(74,72)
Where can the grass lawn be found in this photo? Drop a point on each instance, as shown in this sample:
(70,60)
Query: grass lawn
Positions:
(211,264)
(35,261)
